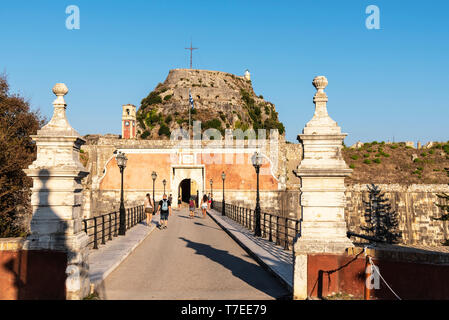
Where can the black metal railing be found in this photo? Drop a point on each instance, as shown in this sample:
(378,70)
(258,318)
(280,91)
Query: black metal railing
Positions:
(103,228)
(280,230)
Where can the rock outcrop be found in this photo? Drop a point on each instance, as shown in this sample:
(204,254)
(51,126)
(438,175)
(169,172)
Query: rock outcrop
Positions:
(222,100)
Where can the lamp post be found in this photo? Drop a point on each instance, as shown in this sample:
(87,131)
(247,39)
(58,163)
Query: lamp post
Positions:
(154,176)
(257,162)
(164,182)
(223,204)
(121,162)
(211,194)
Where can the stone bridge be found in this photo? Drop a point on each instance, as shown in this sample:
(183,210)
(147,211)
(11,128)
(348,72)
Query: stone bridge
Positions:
(207,257)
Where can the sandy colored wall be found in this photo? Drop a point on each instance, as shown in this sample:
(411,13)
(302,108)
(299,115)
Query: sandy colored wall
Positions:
(415,205)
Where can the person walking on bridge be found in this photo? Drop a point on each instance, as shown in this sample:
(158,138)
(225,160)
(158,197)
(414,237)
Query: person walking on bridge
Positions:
(204,204)
(148,203)
(191,208)
(165,210)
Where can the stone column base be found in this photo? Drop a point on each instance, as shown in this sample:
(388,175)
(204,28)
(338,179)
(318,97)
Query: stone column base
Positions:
(310,245)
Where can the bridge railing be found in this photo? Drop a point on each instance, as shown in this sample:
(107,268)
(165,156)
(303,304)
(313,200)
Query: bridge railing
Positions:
(103,228)
(280,230)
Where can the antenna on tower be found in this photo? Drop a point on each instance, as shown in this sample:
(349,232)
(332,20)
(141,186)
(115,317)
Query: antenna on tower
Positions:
(191,51)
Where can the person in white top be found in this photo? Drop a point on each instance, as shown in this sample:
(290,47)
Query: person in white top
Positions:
(148,208)
(204,204)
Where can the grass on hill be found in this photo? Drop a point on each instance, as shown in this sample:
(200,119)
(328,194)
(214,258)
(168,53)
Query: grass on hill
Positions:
(395,163)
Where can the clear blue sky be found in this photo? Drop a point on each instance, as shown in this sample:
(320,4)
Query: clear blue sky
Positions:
(382,83)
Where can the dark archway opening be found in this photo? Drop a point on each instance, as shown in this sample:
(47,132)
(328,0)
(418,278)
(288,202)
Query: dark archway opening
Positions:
(184,190)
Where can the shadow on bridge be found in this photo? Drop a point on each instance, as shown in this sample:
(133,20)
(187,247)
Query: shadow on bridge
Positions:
(244,270)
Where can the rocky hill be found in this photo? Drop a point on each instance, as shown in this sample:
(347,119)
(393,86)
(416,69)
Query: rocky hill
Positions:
(398,163)
(222,100)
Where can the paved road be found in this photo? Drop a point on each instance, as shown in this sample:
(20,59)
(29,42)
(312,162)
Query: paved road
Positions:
(192,259)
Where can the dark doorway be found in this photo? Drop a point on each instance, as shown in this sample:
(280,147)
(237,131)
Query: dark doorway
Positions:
(184,187)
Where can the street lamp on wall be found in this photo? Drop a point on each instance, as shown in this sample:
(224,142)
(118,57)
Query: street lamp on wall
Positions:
(223,203)
(121,163)
(164,182)
(257,162)
(154,176)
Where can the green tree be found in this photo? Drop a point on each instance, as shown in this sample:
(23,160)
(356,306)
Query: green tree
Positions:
(164,130)
(381,221)
(17,151)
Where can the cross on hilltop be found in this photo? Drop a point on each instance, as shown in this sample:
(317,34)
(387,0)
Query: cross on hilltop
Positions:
(191,51)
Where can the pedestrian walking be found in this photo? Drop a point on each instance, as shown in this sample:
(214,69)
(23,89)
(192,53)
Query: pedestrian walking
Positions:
(191,208)
(165,210)
(148,204)
(179,201)
(204,204)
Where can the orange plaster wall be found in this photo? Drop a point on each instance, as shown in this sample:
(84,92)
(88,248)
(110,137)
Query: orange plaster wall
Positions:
(239,176)
(138,171)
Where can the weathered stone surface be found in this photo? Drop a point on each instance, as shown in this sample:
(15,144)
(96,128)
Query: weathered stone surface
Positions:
(57,197)
(410,144)
(322,172)
(219,96)
(415,205)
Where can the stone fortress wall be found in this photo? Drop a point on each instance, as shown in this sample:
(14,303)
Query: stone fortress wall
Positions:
(279,191)
(415,204)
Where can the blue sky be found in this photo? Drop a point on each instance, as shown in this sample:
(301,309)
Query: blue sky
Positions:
(392,82)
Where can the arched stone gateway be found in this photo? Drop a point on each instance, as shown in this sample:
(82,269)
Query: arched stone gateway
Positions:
(187,188)
(181,174)
(199,163)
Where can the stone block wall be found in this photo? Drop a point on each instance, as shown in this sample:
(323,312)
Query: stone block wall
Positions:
(415,205)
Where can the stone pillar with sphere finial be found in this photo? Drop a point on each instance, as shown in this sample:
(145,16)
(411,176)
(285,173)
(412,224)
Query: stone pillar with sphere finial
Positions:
(322,172)
(56,224)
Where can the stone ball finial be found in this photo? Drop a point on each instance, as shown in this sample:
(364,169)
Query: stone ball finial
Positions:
(60,89)
(320,83)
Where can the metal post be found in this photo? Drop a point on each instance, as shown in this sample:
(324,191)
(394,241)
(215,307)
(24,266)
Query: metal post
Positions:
(122,227)
(264,230)
(367,291)
(154,203)
(270,237)
(115,224)
(110,227)
(95,234)
(257,231)
(223,203)
(286,247)
(277,230)
(102,230)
